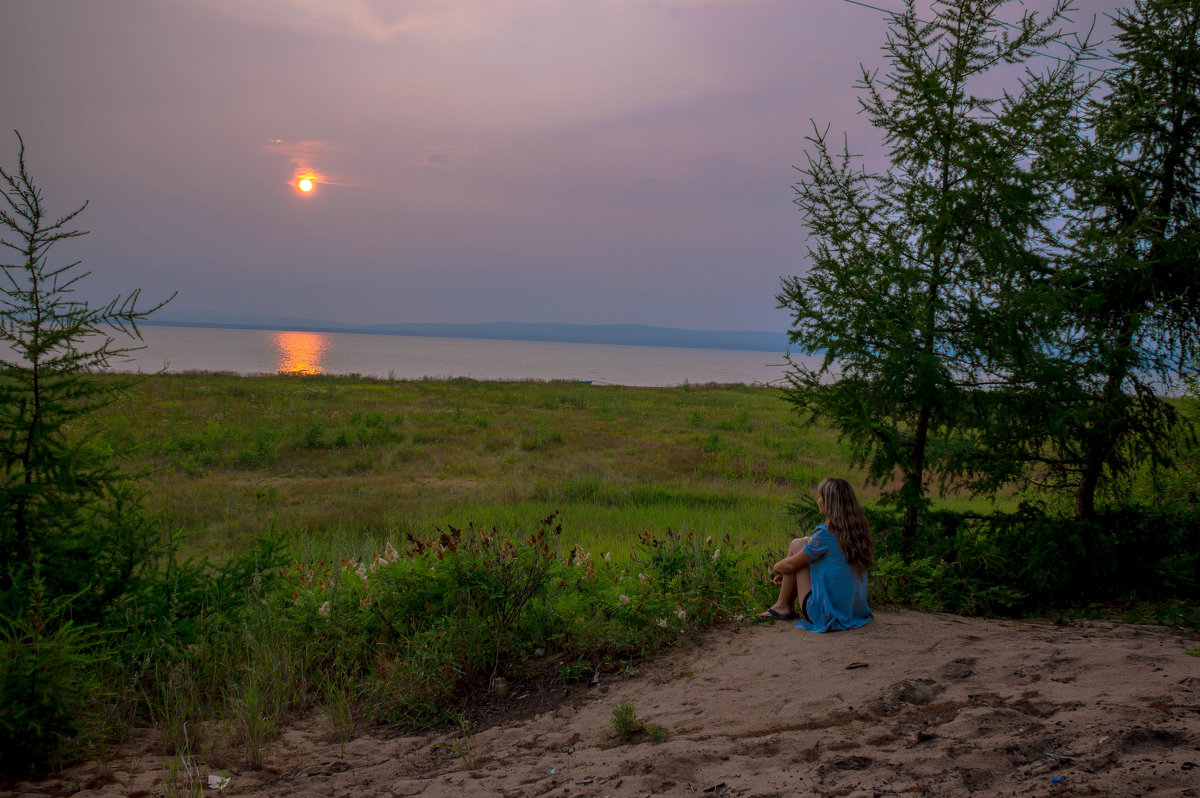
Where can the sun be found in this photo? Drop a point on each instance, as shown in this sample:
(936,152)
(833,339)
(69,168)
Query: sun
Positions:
(306,179)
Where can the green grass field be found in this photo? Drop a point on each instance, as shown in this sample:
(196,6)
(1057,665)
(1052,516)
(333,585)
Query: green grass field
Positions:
(340,465)
(349,462)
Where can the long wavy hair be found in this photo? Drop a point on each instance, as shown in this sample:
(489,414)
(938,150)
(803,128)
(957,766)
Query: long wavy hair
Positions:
(846,520)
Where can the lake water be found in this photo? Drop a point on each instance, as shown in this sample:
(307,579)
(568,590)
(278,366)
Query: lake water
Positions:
(179,349)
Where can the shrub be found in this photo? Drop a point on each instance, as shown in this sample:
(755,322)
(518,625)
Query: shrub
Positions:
(48,677)
(425,629)
(1029,561)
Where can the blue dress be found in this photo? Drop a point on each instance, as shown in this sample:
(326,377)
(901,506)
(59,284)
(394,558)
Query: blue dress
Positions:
(839,596)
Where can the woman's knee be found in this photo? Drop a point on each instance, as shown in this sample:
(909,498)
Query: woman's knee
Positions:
(798,544)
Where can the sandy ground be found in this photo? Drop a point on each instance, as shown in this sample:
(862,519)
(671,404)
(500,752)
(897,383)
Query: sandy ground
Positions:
(935,705)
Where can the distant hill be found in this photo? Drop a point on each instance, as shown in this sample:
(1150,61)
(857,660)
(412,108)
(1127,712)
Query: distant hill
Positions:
(619,334)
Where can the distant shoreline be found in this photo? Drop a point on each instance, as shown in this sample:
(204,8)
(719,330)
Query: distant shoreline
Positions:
(610,334)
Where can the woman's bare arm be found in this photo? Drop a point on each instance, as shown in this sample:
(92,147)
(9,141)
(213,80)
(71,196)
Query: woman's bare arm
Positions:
(792,563)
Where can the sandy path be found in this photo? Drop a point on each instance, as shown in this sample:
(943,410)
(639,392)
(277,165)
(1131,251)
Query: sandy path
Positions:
(945,706)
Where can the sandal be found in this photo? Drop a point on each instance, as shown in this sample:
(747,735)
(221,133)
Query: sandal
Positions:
(773,614)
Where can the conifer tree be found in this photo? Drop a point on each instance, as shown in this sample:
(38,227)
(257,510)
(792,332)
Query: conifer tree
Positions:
(919,274)
(67,518)
(1131,286)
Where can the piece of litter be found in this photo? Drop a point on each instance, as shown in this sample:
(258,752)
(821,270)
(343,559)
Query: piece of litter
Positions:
(584,781)
(854,665)
(1056,780)
(1104,738)
(218,782)
(553,771)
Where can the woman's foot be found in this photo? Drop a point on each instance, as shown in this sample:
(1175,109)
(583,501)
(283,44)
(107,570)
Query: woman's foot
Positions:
(773,614)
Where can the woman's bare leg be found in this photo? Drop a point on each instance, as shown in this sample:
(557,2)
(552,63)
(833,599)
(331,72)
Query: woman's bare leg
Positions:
(803,584)
(794,586)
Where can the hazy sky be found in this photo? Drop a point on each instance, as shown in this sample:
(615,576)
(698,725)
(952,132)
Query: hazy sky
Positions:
(593,161)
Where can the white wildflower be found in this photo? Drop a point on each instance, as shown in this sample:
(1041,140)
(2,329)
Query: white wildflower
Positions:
(662,622)
(389,553)
(681,615)
(323,610)
(642,577)
(608,556)
(361,570)
(579,556)
(716,554)
(708,541)
(380,562)
(624,599)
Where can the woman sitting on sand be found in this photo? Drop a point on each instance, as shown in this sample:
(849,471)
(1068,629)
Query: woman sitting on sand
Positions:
(827,570)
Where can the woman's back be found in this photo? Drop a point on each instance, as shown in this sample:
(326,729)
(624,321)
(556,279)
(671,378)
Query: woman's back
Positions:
(839,594)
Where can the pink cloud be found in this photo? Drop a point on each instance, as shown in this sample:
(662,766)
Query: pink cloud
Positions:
(378,21)
(382,21)
(306,158)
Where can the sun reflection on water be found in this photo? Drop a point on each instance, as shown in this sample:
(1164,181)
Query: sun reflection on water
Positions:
(301,352)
